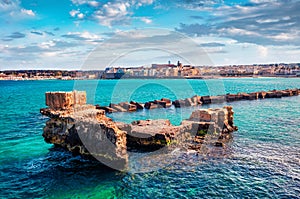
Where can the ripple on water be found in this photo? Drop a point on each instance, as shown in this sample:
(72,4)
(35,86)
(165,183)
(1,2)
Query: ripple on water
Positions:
(262,161)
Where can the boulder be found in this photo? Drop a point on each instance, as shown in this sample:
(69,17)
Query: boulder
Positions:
(205,99)
(254,94)
(271,94)
(160,103)
(150,105)
(262,95)
(189,102)
(117,107)
(218,99)
(179,103)
(167,101)
(285,93)
(295,92)
(238,97)
(196,99)
(230,97)
(249,96)
(138,105)
(106,109)
(127,106)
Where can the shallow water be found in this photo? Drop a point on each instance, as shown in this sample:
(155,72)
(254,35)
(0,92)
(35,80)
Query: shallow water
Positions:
(263,159)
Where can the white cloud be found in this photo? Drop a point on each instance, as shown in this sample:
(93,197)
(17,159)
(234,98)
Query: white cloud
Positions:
(9,5)
(144,2)
(73,13)
(80,16)
(272,22)
(263,51)
(115,9)
(285,36)
(89,36)
(83,36)
(47,45)
(146,20)
(93,3)
(76,14)
(262,1)
(27,12)
(237,31)
(115,12)
(79,2)
(88,2)
(267,20)
(51,54)
(13,8)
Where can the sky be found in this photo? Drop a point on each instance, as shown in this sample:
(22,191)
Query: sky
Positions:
(95,34)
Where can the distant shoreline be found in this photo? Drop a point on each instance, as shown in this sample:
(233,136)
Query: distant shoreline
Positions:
(144,78)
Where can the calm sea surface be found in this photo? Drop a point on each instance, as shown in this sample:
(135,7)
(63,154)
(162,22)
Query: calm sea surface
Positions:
(262,161)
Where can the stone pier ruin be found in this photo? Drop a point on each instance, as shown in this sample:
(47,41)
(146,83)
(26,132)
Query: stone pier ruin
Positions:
(86,130)
(198,100)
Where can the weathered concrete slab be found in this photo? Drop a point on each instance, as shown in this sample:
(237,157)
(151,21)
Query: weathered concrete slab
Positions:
(139,106)
(117,107)
(65,100)
(150,105)
(205,99)
(106,109)
(127,106)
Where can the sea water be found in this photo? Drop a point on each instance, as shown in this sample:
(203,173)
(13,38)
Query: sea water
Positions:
(262,160)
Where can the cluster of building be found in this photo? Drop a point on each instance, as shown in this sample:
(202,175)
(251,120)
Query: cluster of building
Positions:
(168,70)
(155,71)
(187,71)
(49,74)
(271,70)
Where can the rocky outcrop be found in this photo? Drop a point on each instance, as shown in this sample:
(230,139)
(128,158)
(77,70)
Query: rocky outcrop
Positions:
(84,129)
(154,134)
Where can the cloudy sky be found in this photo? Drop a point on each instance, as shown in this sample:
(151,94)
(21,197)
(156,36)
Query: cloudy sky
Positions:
(76,34)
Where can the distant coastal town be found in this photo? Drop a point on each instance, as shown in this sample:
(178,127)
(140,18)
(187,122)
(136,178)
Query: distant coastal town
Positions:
(159,71)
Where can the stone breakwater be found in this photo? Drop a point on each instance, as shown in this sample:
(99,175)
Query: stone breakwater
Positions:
(197,100)
(86,130)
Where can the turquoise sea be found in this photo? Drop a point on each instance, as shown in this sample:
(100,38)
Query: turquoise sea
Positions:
(262,160)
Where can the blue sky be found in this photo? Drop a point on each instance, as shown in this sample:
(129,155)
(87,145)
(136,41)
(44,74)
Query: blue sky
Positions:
(83,34)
